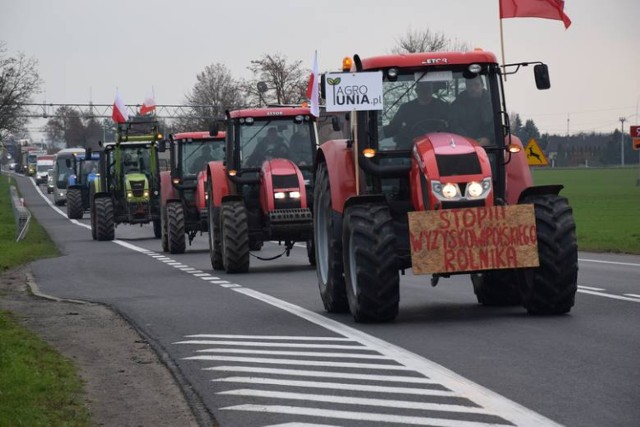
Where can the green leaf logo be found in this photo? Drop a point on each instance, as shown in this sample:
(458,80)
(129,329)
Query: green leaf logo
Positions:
(333,82)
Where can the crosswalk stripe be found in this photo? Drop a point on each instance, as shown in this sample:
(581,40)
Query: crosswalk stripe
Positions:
(295,353)
(269,337)
(294,362)
(338,386)
(273,344)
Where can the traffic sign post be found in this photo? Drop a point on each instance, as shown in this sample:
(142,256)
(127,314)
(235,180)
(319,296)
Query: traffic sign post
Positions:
(535,155)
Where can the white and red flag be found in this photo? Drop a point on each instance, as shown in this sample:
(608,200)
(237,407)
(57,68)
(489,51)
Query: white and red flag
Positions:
(119,114)
(149,104)
(548,9)
(312,88)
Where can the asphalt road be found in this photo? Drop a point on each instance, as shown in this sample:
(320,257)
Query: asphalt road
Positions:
(259,349)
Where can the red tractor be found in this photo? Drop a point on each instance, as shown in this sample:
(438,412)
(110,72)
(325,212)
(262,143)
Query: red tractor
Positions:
(435,182)
(183,192)
(262,190)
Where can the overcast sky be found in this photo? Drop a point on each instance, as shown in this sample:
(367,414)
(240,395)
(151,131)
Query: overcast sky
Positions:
(87,48)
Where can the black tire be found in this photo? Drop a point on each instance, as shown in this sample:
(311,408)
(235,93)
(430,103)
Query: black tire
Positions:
(164,238)
(255,245)
(92,216)
(551,287)
(75,209)
(175,228)
(157,228)
(105,226)
(235,237)
(370,266)
(496,288)
(215,245)
(311,252)
(327,235)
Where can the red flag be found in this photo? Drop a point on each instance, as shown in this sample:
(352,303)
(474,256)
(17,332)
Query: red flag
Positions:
(119,114)
(149,104)
(312,87)
(549,9)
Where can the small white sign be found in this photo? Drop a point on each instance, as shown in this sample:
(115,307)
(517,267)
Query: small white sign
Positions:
(353,91)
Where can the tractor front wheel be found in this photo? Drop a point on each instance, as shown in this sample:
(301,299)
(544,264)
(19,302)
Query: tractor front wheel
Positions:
(235,237)
(105,226)
(551,287)
(328,246)
(75,209)
(157,228)
(175,228)
(370,267)
(215,246)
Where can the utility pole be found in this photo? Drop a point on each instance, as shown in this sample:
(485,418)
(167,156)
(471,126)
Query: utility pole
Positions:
(622,120)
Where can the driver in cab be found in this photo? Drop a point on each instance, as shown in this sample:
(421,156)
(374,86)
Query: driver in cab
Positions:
(421,115)
(271,146)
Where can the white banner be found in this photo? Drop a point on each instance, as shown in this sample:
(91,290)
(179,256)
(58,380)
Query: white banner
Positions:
(353,91)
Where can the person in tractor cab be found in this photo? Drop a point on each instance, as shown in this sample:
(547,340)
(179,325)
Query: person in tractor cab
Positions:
(269,147)
(471,113)
(421,115)
(299,146)
(130,164)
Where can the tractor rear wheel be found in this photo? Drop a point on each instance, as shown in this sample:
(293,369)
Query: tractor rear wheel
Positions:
(105,227)
(327,237)
(370,267)
(551,287)
(235,237)
(215,246)
(496,288)
(311,252)
(163,230)
(175,228)
(75,209)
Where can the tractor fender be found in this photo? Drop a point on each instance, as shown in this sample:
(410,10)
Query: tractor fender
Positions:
(218,183)
(167,190)
(201,190)
(518,173)
(340,167)
(539,190)
(277,174)
(378,199)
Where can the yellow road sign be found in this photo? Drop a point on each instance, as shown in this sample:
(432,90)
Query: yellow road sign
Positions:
(535,156)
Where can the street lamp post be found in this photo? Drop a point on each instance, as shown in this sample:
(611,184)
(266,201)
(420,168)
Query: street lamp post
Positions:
(622,120)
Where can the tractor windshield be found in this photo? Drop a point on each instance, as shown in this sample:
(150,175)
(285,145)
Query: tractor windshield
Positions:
(135,159)
(289,138)
(195,154)
(421,102)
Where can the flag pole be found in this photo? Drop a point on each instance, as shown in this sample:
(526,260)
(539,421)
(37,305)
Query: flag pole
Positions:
(504,75)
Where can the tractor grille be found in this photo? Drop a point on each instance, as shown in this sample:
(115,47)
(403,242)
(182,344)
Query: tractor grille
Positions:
(137,188)
(463,164)
(285,181)
(280,216)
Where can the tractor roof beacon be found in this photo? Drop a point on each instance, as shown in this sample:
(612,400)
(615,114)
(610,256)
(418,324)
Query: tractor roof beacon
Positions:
(434,195)
(262,190)
(128,187)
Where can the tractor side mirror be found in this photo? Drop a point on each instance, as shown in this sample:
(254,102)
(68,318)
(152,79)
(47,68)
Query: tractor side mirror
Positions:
(335,123)
(162,146)
(214,129)
(541,73)
(87,153)
(68,163)
(323,93)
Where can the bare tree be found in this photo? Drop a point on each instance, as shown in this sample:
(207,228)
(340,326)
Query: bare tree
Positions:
(414,41)
(74,130)
(216,89)
(286,83)
(19,81)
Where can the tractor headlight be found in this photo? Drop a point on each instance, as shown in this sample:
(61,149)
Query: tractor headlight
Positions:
(129,195)
(477,190)
(449,190)
(294,194)
(278,195)
(145,193)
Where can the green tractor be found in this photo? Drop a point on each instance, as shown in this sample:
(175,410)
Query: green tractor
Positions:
(128,188)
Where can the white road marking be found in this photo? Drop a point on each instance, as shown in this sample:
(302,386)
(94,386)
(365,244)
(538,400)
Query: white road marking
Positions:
(358,416)
(347,400)
(294,353)
(632,295)
(338,386)
(295,362)
(269,337)
(601,294)
(590,288)
(202,275)
(228,285)
(301,425)
(324,374)
(273,344)
(631,264)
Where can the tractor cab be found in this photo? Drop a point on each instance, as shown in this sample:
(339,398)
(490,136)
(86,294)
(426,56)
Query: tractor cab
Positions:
(85,167)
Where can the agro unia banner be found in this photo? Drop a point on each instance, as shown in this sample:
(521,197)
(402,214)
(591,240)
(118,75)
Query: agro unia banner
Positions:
(353,91)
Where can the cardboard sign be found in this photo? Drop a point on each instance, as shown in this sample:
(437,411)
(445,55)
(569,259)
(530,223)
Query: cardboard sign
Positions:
(473,239)
(535,156)
(635,137)
(353,91)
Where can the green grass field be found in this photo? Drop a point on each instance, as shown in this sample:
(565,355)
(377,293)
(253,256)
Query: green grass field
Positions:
(606,205)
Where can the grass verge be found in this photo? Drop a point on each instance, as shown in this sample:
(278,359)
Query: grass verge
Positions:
(38,387)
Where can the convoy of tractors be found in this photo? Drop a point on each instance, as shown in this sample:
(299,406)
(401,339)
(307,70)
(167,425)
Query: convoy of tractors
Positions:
(371,192)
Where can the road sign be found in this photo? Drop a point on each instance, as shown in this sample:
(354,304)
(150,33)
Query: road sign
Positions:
(635,135)
(535,156)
